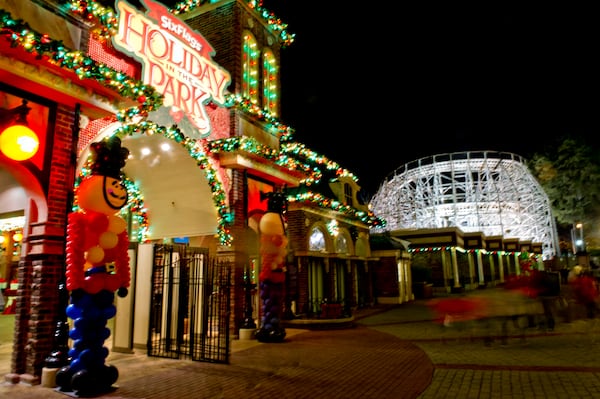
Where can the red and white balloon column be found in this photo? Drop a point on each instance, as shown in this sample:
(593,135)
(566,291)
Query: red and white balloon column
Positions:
(273,251)
(97,266)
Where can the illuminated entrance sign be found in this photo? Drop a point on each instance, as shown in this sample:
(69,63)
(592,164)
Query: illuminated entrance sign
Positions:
(176,60)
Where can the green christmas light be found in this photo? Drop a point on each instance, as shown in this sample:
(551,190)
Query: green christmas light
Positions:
(293,156)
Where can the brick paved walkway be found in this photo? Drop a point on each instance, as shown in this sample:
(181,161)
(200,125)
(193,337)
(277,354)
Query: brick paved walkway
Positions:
(349,363)
(396,352)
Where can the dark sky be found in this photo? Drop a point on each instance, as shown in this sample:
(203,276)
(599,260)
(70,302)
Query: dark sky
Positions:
(373,85)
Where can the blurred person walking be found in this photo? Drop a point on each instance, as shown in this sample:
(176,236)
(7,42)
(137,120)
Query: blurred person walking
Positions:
(586,292)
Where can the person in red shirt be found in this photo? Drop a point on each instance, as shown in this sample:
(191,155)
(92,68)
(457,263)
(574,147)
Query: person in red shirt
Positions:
(585,289)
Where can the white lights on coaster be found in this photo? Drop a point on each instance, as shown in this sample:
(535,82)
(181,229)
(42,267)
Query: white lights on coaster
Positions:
(17,141)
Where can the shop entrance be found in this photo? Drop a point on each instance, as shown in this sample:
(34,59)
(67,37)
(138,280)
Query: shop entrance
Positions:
(190,305)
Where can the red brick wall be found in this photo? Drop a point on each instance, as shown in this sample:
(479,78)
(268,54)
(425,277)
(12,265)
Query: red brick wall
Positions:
(223,27)
(297,231)
(220,27)
(42,268)
(238,206)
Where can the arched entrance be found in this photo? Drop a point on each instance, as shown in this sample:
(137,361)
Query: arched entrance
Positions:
(22,202)
(180,213)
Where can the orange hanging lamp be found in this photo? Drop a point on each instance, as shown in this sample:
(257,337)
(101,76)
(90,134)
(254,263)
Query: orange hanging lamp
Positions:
(18,142)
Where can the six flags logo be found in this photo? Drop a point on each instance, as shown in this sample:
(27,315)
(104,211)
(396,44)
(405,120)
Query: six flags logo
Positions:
(176,60)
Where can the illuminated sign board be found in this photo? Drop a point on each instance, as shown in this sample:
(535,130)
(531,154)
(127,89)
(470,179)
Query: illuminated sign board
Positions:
(176,61)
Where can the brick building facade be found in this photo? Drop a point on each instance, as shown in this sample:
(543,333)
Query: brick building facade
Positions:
(248,151)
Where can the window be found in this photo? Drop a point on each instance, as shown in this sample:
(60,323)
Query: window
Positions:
(317,289)
(341,244)
(270,71)
(316,240)
(348,194)
(250,68)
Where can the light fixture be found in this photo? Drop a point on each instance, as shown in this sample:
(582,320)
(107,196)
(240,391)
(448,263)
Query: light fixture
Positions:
(165,147)
(17,237)
(17,141)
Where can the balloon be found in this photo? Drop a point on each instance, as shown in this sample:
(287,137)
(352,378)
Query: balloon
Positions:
(81,323)
(91,312)
(89,194)
(95,254)
(71,285)
(73,353)
(87,325)
(76,365)
(111,254)
(112,283)
(108,240)
(91,238)
(72,246)
(82,380)
(81,298)
(92,358)
(73,312)
(93,284)
(80,344)
(278,240)
(94,337)
(116,224)
(97,240)
(75,333)
(110,375)
(97,222)
(271,223)
(86,357)
(110,312)
(104,298)
(63,378)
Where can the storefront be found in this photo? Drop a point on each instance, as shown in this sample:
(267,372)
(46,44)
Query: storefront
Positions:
(205,147)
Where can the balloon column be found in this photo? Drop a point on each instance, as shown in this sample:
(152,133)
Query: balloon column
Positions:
(273,250)
(97,266)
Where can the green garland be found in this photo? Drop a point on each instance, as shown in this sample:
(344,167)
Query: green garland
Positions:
(20,34)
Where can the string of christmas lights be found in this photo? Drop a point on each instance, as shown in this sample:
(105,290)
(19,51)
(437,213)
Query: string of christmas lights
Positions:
(43,47)
(107,22)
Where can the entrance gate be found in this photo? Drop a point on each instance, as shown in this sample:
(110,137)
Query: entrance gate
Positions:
(190,305)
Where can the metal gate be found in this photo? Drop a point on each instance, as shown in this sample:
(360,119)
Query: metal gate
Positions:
(189,314)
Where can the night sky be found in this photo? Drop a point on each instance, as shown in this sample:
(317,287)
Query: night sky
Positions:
(376,86)
(373,85)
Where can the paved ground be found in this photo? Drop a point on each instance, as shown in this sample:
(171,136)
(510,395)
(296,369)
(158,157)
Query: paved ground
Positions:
(397,353)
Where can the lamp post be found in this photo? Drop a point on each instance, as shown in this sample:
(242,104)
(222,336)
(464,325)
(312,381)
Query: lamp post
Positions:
(577,238)
(579,247)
